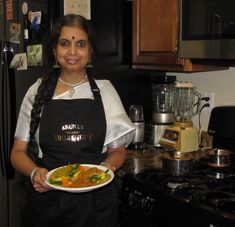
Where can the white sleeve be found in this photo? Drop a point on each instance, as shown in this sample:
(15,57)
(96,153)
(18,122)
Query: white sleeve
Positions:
(120,129)
(23,122)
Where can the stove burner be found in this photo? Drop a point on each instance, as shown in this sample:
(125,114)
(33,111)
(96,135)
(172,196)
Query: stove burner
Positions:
(184,181)
(175,182)
(174,185)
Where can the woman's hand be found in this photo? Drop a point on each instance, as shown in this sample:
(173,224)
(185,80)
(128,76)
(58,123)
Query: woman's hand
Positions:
(38,180)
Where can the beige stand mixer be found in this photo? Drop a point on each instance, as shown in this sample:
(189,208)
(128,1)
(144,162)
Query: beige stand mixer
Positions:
(183,136)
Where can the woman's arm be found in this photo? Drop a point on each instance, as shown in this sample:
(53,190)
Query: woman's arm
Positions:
(116,157)
(19,158)
(25,165)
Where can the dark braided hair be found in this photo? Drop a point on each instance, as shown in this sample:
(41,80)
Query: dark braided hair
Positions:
(47,87)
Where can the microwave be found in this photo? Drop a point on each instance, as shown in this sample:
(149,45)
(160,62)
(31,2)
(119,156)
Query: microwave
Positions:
(206,29)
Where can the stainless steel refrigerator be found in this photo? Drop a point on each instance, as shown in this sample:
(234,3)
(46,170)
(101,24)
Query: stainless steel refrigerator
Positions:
(13,86)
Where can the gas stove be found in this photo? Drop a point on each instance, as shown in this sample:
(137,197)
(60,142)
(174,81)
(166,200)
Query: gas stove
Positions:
(204,198)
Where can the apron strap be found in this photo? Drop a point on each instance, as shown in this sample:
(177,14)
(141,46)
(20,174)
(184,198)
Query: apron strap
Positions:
(96,93)
(95,90)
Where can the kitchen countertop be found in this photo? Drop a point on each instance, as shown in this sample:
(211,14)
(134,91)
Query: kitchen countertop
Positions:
(138,161)
(150,157)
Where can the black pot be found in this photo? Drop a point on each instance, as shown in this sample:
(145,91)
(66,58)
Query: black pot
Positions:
(177,163)
(218,158)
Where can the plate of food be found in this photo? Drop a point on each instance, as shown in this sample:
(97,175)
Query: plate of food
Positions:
(79,178)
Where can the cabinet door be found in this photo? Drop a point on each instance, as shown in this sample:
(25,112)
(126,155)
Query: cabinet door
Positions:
(155,31)
(111,19)
(155,35)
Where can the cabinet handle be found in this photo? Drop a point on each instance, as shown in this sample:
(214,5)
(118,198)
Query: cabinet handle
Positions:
(176,46)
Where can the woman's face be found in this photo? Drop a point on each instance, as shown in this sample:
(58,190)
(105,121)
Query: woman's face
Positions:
(73,49)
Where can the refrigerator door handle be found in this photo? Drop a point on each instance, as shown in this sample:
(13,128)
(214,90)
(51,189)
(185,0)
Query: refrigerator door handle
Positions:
(2,132)
(8,110)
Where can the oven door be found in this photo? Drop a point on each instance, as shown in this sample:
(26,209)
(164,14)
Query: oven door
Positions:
(130,219)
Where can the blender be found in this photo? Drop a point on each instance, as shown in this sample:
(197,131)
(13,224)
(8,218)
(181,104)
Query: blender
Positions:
(163,91)
(183,136)
(137,117)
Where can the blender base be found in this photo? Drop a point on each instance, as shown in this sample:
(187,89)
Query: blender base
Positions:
(181,139)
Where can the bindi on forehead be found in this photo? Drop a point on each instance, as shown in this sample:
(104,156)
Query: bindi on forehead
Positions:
(73,37)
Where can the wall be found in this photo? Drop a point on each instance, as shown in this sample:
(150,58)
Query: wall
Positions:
(220,82)
(134,87)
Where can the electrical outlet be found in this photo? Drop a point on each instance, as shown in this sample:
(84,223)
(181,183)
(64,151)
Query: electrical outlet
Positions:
(206,140)
(210,96)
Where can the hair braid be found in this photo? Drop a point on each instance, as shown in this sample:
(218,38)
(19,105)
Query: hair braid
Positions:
(44,94)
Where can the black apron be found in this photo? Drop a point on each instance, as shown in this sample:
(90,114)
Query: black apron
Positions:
(72,131)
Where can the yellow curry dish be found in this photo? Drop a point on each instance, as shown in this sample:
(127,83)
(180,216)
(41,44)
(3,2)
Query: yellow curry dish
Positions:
(78,176)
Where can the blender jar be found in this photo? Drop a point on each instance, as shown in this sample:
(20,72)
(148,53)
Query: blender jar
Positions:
(163,91)
(187,101)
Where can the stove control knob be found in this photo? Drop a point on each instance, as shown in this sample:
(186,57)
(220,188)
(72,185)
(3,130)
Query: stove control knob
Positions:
(147,204)
(125,194)
(134,199)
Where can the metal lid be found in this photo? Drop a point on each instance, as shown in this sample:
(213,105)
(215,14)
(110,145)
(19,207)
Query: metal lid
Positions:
(184,84)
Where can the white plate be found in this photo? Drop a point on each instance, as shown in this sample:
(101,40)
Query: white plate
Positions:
(82,189)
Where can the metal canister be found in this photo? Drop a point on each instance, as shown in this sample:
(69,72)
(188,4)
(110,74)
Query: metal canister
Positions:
(218,158)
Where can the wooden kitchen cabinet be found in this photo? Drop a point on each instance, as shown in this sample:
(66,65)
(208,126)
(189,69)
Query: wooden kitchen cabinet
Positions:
(155,35)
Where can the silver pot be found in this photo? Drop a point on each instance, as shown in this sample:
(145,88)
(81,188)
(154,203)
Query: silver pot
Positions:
(218,158)
(177,163)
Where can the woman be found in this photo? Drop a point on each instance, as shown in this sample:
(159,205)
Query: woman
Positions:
(68,117)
